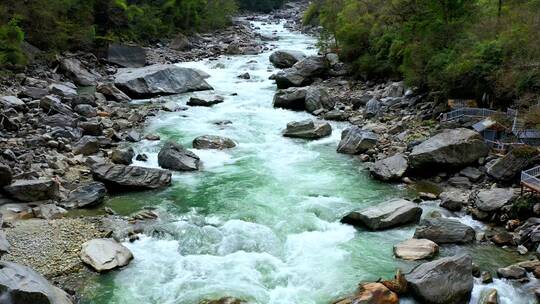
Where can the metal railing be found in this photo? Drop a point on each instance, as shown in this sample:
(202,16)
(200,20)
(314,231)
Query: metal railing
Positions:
(467,112)
(502,147)
(531,177)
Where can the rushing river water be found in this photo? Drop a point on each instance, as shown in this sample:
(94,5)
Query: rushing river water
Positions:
(260,222)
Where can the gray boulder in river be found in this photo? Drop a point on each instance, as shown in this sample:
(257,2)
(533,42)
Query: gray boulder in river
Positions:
(131,178)
(317,98)
(159,79)
(452,148)
(355,141)
(22,285)
(493,199)
(291,99)
(302,73)
(286,58)
(444,281)
(391,168)
(308,129)
(213,142)
(174,156)
(105,254)
(444,231)
(385,215)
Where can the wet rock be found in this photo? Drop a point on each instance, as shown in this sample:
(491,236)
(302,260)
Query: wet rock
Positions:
(302,73)
(312,66)
(489,296)
(291,98)
(452,148)
(308,129)
(283,59)
(512,272)
(502,238)
(86,145)
(158,79)
(175,157)
(77,72)
(213,142)
(49,212)
(372,293)
(86,196)
(446,281)
(317,98)
(355,141)
(390,169)
(205,102)
(111,91)
(6,175)
(130,178)
(493,199)
(24,286)
(444,230)
(416,249)
(141,157)
(385,215)
(33,190)
(454,200)
(123,156)
(225,300)
(244,76)
(133,136)
(105,254)
(126,56)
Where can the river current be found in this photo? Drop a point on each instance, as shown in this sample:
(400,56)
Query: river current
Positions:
(260,222)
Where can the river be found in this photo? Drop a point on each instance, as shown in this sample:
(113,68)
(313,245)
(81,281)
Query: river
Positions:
(260,222)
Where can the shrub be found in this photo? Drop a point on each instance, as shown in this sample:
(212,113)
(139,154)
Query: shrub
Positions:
(11,37)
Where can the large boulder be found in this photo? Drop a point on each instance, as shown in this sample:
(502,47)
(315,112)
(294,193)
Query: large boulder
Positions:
(454,199)
(510,166)
(317,98)
(372,293)
(291,98)
(493,199)
(87,145)
(159,79)
(416,249)
(111,91)
(355,141)
(174,156)
(312,66)
(105,254)
(85,196)
(390,169)
(291,78)
(122,178)
(123,156)
(444,281)
(73,69)
(444,231)
(452,148)
(286,58)
(33,190)
(308,129)
(5,175)
(126,56)
(213,142)
(22,285)
(302,73)
(373,107)
(512,272)
(385,215)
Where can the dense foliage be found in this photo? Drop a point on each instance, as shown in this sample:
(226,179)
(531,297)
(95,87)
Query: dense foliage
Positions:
(260,5)
(488,49)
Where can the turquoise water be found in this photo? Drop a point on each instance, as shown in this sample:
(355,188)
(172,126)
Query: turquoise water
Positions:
(259,222)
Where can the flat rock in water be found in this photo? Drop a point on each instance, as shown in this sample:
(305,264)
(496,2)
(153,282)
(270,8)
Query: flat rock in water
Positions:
(385,215)
(493,199)
(444,281)
(416,249)
(355,141)
(158,80)
(308,129)
(443,231)
(205,102)
(131,178)
(213,142)
(25,286)
(33,190)
(390,169)
(105,254)
(174,156)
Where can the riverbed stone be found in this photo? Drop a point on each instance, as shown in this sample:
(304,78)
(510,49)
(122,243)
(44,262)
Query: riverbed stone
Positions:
(452,148)
(123,156)
(372,293)
(74,69)
(493,199)
(291,99)
(390,169)
(24,286)
(127,56)
(33,190)
(205,101)
(416,249)
(174,156)
(444,281)
(489,296)
(87,145)
(213,142)
(130,178)
(355,141)
(317,98)
(49,212)
(385,215)
(86,196)
(6,175)
(105,254)
(444,230)
(283,59)
(308,129)
(159,79)
(512,272)
(454,199)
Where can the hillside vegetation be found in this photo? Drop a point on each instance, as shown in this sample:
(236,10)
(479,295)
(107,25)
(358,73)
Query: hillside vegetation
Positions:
(487,49)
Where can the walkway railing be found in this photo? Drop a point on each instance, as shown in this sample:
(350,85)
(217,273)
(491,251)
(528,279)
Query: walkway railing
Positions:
(531,178)
(467,112)
(502,147)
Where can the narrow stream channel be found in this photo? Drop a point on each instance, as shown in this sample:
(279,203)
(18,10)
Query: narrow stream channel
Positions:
(260,222)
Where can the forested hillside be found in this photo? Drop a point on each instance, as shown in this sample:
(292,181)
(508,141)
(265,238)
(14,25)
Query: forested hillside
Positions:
(488,49)
(54,25)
